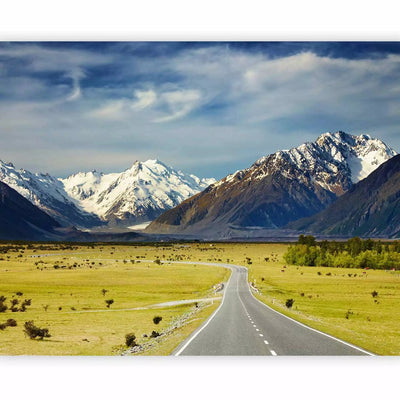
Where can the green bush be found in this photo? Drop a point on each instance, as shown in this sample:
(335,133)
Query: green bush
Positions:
(157,320)
(289,303)
(34,332)
(130,340)
(109,302)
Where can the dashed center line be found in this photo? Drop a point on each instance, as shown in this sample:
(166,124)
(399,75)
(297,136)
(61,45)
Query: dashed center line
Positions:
(257,330)
(273,353)
(261,334)
(266,342)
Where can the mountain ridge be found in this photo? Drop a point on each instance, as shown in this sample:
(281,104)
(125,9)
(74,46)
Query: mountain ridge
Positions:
(278,188)
(90,199)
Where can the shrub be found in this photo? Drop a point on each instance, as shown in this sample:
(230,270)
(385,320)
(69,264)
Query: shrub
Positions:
(14,302)
(289,303)
(33,331)
(3,326)
(157,261)
(154,334)
(109,302)
(3,307)
(19,294)
(374,293)
(130,340)
(11,322)
(157,320)
(349,312)
(104,291)
(2,299)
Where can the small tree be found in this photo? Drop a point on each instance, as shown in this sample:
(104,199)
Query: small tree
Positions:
(104,291)
(374,293)
(154,334)
(109,302)
(289,303)
(130,340)
(157,320)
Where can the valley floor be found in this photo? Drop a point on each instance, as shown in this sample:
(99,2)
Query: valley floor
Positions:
(66,282)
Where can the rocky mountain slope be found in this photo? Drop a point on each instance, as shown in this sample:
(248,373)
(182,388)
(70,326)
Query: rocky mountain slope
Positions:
(141,193)
(20,219)
(282,187)
(371,208)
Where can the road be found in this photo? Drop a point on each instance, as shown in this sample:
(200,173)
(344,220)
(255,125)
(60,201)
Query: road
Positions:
(242,325)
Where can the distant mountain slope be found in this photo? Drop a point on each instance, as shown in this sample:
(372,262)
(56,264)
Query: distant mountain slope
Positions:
(141,193)
(279,188)
(20,219)
(369,208)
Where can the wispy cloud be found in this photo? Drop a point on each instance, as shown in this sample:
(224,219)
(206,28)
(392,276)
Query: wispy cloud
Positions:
(179,103)
(144,98)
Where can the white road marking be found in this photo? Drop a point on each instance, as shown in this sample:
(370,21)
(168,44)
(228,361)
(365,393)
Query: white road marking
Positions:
(254,326)
(248,288)
(209,319)
(266,342)
(257,330)
(261,334)
(273,353)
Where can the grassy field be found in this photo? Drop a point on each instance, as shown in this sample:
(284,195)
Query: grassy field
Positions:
(335,300)
(66,291)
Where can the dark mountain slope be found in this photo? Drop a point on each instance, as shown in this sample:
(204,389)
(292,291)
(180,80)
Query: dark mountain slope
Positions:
(369,208)
(20,219)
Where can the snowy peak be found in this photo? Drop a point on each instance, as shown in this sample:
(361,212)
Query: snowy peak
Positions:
(87,199)
(139,193)
(332,157)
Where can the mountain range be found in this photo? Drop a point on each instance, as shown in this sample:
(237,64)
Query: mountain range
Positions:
(89,199)
(277,189)
(340,185)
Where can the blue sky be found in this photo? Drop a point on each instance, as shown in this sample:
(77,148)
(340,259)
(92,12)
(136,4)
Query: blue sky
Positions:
(208,108)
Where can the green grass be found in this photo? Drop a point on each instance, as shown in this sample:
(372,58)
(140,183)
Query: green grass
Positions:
(92,328)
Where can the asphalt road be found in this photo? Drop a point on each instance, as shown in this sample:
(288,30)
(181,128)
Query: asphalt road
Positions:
(243,325)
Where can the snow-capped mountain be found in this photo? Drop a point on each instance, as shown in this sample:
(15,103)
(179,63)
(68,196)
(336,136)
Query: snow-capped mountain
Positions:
(48,194)
(88,199)
(141,193)
(279,188)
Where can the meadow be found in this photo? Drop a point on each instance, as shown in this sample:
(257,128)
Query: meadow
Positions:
(356,305)
(67,297)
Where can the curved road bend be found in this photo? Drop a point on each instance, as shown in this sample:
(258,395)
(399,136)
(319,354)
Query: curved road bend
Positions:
(242,325)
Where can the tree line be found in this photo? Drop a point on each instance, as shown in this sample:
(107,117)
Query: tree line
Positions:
(353,253)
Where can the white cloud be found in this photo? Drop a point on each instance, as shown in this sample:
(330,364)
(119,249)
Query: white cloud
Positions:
(145,98)
(112,110)
(179,103)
